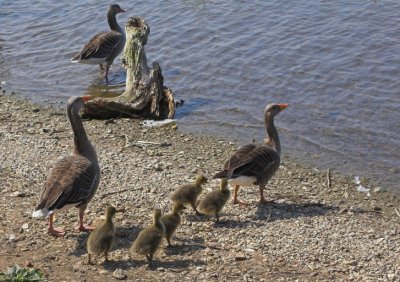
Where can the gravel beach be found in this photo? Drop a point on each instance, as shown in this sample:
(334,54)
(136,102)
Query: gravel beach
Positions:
(317,228)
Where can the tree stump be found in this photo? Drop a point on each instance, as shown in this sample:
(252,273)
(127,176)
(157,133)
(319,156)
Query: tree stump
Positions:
(145,95)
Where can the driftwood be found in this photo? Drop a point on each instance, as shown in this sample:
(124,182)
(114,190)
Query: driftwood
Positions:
(145,95)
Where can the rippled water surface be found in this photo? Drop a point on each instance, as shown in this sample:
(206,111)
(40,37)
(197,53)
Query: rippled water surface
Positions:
(335,62)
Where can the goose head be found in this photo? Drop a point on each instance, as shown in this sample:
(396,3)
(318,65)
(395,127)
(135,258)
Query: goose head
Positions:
(115,9)
(271,110)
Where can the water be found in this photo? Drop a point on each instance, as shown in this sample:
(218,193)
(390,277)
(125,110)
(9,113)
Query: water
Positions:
(335,62)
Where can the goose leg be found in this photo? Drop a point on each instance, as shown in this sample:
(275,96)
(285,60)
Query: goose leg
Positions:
(81,226)
(235,197)
(262,198)
(58,232)
(106,74)
(193,204)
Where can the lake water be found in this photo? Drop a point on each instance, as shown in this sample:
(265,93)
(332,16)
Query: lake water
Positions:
(337,63)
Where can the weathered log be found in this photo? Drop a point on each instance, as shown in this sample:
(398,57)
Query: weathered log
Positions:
(145,95)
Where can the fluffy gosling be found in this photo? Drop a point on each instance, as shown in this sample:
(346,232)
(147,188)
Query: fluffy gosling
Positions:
(213,202)
(188,193)
(101,239)
(150,238)
(171,221)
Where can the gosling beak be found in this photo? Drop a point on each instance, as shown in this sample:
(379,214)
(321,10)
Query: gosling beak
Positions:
(283,106)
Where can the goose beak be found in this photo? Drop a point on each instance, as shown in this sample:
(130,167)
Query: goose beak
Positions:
(121,10)
(283,106)
(87,98)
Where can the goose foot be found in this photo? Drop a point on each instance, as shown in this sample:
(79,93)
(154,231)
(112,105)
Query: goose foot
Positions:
(57,232)
(84,228)
(240,202)
(264,201)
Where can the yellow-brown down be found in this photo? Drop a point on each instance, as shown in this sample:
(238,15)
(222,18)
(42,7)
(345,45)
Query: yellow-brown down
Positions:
(188,193)
(149,239)
(213,202)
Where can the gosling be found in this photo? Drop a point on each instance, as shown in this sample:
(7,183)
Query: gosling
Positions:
(149,239)
(213,202)
(188,193)
(171,221)
(101,239)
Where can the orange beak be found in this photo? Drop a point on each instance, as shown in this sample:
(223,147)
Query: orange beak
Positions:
(87,98)
(283,106)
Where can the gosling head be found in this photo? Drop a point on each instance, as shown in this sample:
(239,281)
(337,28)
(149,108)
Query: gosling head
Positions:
(223,184)
(178,207)
(111,211)
(200,180)
(157,215)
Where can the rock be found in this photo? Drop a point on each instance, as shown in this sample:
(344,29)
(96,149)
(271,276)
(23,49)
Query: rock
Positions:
(12,238)
(378,190)
(119,274)
(240,256)
(19,194)
(25,226)
(103,271)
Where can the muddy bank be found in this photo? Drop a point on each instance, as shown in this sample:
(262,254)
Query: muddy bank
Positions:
(312,230)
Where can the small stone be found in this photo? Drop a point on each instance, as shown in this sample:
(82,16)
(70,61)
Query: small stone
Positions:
(119,274)
(12,238)
(25,226)
(349,262)
(19,194)
(103,271)
(240,256)
(160,269)
(378,190)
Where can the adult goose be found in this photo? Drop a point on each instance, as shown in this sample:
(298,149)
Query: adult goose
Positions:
(104,47)
(255,163)
(73,180)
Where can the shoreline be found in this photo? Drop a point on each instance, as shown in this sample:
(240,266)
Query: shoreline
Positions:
(310,232)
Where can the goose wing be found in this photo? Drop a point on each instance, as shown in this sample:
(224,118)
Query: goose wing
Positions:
(71,181)
(252,160)
(101,45)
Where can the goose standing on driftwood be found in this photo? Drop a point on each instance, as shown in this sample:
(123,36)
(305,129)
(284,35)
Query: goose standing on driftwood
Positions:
(104,47)
(73,180)
(255,163)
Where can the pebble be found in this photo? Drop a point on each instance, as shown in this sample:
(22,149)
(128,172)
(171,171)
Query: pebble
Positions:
(119,274)
(240,256)
(304,238)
